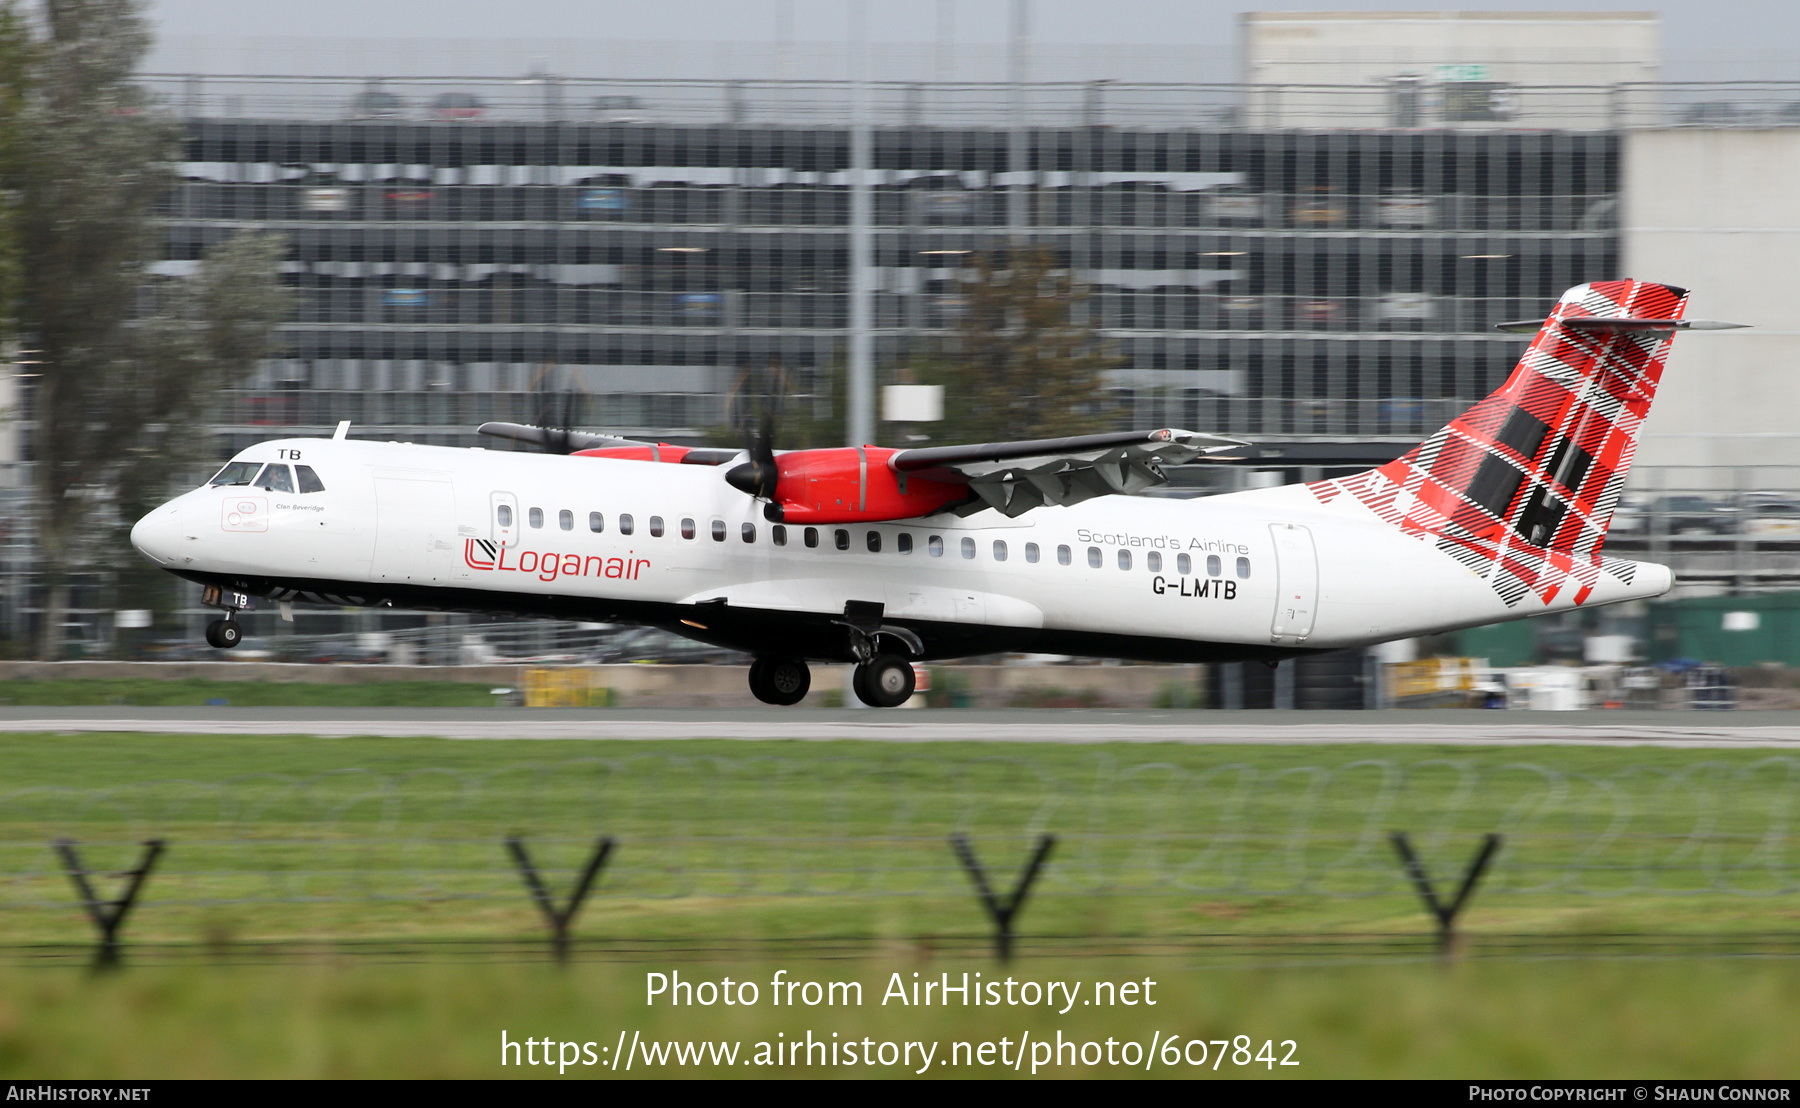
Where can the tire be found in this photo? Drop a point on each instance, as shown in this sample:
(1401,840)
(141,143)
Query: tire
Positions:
(224,633)
(887,681)
(859,685)
(781,681)
(788,678)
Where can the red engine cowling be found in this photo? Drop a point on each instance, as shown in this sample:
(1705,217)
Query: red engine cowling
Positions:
(854,485)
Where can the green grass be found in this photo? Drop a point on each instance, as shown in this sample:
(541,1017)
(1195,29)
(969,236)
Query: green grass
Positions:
(742,858)
(305,839)
(157,692)
(1623,1019)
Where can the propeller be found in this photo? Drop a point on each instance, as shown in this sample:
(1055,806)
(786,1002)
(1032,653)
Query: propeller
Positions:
(558,428)
(757,477)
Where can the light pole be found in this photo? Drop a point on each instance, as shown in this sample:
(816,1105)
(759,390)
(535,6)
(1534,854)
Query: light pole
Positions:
(860,416)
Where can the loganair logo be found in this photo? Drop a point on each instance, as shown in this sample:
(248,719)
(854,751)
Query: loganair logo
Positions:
(548,566)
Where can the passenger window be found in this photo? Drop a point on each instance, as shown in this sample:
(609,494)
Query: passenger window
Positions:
(1184,565)
(687,528)
(275,478)
(903,542)
(503,515)
(812,538)
(309,481)
(536,516)
(999,550)
(718,530)
(1243,567)
(596,522)
(656,527)
(935,546)
(778,534)
(566,520)
(237,473)
(968,547)
(1124,559)
(1213,566)
(1031,552)
(1094,561)
(749,530)
(1064,556)
(1153,562)
(874,542)
(626,524)
(841,538)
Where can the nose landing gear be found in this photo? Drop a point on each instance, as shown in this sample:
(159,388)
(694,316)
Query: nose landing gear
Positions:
(782,681)
(228,632)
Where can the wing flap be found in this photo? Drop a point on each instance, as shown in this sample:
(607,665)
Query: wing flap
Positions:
(1014,487)
(953,458)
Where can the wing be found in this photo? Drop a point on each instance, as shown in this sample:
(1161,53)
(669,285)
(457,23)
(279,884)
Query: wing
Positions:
(1015,477)
(553,440)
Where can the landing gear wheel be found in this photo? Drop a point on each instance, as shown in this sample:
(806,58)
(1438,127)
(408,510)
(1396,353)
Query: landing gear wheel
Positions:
(885,682)
(782,681)
(224,633)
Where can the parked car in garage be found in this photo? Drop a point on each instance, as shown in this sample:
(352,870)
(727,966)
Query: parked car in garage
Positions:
(1693,514)
(457,105)
(1769,516)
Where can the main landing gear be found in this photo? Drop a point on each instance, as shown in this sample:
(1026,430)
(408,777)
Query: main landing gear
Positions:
(224,633)
(884,681)
(782,681)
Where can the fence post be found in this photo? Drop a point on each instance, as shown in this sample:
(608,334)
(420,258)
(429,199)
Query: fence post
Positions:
(1444,914)
(559,918)
(1002,914)
(108,915)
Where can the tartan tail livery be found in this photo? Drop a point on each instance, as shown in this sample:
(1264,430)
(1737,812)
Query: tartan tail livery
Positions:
(1521,487)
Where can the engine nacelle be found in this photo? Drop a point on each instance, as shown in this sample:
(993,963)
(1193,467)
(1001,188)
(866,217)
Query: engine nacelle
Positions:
(853,485)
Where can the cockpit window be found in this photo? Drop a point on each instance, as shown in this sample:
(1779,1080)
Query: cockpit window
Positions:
(276,478)
(237,473)
(309,481)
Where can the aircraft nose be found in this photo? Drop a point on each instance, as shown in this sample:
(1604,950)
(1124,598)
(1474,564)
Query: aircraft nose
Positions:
(158,534)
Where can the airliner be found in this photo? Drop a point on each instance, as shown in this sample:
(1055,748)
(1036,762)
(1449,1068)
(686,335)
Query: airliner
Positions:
(884,557)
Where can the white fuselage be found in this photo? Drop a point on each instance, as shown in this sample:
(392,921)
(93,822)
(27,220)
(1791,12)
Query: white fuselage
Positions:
(1264,568)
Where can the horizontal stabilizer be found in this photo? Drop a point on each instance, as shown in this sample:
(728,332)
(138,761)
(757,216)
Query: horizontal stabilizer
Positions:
(1618,326)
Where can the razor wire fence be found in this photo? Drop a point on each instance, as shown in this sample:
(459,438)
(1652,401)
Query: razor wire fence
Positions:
(701,842)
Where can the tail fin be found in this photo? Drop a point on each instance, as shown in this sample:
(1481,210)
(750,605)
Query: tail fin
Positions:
(1521,487)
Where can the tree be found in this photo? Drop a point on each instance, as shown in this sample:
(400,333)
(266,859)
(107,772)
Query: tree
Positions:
(15,67)
(204,331)
(1019,365)
(127,360)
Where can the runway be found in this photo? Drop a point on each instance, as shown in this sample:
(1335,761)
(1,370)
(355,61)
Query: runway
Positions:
(1723,730)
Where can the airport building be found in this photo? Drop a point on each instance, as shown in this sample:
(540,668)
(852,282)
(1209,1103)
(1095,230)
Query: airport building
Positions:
(1268,282)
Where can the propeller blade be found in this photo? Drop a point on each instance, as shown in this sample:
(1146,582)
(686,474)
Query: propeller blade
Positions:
(758,476)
